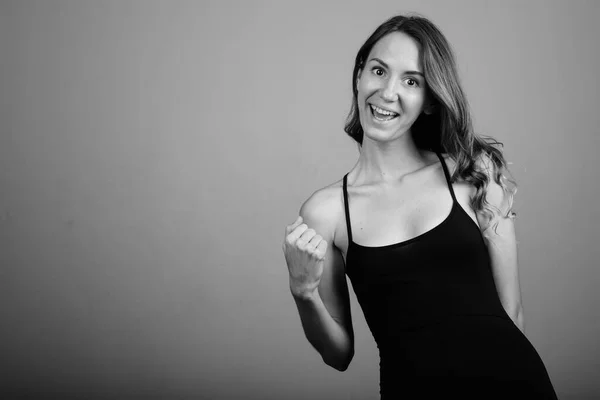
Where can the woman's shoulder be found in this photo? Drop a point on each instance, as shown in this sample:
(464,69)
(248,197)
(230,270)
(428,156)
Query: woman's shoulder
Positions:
(323,208)
(482,162)
(450,162)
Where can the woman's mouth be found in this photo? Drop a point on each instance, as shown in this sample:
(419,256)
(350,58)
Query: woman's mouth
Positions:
(381,115)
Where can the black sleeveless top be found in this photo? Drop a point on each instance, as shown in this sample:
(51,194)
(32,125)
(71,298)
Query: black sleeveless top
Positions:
(436,317)
(439,274)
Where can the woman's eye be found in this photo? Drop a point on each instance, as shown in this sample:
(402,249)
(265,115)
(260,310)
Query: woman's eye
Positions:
(378,71)
(412,82)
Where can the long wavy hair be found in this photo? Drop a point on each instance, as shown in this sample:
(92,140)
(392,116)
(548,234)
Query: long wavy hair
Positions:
(449,128)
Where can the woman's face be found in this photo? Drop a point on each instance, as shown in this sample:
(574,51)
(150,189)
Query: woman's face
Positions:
(392,91)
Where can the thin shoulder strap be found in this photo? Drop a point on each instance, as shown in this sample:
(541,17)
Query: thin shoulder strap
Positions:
(447,175)
(348,227)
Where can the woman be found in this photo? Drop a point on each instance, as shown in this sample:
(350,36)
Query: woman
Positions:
(427,239)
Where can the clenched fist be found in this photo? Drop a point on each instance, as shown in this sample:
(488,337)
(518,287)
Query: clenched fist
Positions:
(304,252)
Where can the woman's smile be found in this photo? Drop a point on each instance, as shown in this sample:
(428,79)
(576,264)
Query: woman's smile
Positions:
(382,115)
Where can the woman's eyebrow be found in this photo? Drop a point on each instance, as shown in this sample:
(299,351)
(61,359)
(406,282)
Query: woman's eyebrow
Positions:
(388,67)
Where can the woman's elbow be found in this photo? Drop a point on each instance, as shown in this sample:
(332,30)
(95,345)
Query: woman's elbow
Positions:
(340,361)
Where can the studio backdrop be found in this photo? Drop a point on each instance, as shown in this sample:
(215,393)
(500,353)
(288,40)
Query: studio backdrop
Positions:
(152,153)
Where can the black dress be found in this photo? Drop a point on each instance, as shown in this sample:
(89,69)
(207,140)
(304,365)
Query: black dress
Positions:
(433,309)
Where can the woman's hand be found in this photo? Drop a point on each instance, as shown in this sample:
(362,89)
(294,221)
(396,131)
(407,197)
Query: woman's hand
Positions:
(304,252)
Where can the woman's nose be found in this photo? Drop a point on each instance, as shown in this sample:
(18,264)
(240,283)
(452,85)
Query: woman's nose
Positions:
(389,91)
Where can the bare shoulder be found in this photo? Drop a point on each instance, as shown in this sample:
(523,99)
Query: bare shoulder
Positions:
(459,182)
(463,190)
(450,162)
(323,209)
(495,195)
(483,163)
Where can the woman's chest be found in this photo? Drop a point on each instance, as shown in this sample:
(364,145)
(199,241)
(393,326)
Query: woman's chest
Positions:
(397,217)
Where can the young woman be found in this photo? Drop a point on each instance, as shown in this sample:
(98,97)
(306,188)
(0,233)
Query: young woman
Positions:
(423,227)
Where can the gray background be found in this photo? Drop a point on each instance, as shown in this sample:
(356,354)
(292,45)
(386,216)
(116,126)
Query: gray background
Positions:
(151,154)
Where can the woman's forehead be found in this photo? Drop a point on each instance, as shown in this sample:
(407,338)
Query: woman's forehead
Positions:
(398,50)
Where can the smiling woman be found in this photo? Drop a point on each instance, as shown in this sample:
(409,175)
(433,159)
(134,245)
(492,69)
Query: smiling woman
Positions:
(411,226)
(379,81)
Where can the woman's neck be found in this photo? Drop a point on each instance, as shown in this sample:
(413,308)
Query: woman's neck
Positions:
(388,162)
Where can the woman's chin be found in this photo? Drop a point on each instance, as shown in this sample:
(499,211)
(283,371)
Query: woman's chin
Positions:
(378,135)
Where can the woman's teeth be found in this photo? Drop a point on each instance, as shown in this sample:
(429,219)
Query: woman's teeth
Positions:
(381,114)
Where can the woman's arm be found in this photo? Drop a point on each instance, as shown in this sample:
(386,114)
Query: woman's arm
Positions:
(500,238)
(325,312)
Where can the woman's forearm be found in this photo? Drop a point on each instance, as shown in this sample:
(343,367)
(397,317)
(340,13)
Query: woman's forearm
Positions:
(326,335)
